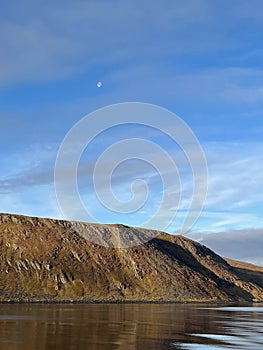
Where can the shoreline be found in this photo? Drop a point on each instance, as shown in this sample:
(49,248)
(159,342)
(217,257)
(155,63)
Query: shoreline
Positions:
(216,302)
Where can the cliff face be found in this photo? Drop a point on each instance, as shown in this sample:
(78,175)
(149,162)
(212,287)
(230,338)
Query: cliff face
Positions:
(44,259)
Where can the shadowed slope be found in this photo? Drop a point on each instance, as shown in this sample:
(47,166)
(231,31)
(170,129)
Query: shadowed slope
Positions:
(248,271)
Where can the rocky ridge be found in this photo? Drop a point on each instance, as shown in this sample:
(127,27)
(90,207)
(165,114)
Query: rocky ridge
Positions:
(49,260)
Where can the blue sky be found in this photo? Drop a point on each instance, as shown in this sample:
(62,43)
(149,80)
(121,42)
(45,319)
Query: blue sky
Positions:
(203,60)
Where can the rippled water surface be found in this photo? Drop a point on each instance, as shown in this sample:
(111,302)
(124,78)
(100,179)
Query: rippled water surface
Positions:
(130,326)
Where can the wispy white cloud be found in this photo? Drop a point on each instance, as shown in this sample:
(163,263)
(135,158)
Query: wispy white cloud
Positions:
(234,182)
(235,175)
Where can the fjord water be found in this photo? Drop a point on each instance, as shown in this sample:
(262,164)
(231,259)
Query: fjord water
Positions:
(130,326)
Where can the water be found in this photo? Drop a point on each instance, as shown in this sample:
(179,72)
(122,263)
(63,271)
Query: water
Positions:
(130,326)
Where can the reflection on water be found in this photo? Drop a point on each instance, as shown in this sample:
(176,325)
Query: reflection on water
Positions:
(129,326)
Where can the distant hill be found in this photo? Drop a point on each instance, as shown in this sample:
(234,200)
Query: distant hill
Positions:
(48,260)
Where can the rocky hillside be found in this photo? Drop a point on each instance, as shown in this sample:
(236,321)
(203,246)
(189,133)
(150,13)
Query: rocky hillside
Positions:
(44,259)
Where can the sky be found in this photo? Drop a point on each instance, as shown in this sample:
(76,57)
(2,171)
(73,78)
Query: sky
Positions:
(202,60)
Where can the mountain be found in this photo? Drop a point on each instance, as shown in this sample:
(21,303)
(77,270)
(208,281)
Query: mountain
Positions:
(49,260)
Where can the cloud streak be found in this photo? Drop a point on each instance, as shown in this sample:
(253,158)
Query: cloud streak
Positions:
(234,187)
(245,245)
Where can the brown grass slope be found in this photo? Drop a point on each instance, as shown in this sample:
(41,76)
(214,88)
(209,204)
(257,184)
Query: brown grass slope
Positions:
(44,259)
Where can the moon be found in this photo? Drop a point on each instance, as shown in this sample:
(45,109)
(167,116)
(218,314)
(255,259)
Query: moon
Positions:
(99,84)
